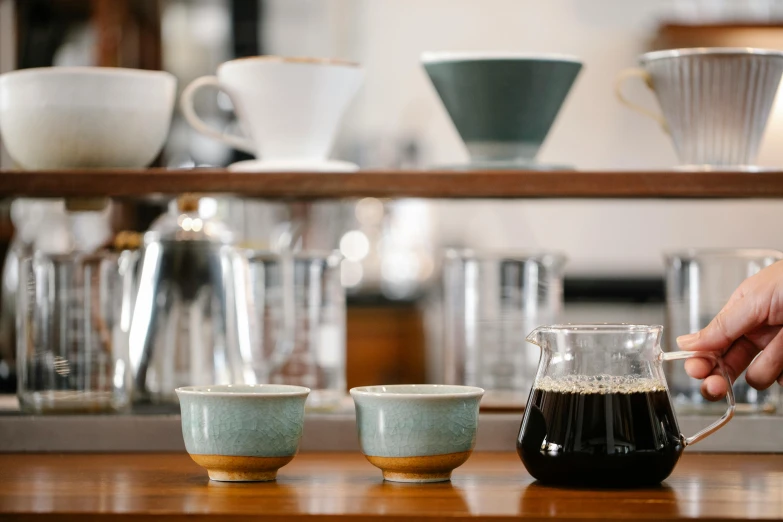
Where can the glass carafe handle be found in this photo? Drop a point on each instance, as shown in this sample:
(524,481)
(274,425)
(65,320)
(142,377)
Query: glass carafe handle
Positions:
(718,424)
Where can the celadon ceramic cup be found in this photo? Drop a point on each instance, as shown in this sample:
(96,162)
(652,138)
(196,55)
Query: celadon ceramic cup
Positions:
(242,432)
(417,432)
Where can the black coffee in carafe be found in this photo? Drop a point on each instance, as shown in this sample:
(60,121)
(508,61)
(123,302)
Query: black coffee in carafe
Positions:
(618,432)
(599,413)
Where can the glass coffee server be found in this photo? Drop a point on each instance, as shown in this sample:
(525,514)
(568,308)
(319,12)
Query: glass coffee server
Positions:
(599,413)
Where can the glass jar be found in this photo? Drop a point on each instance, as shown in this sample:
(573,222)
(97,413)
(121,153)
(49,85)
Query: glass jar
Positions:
(72,351)
(698,285)
(294,330)
(491,302)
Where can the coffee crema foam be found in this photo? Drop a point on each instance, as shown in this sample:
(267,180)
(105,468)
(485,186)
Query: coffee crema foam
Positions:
(603,384)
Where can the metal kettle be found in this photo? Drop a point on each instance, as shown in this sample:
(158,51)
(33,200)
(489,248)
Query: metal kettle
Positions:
(180,297)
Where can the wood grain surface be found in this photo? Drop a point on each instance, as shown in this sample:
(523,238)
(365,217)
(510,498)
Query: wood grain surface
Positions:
(344,486)
(426,184)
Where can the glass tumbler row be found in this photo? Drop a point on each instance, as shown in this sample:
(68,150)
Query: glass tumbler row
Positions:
(95,334)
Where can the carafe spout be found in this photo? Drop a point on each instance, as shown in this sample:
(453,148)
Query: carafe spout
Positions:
(537,337)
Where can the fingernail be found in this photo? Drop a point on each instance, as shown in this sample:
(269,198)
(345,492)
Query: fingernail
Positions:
(684,341)
(713,391)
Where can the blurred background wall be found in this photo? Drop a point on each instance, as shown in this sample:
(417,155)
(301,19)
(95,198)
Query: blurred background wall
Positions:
(593,131)
(392,248)
(398,121)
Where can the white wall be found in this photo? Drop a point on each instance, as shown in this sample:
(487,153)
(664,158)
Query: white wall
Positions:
(614,237)
(7,56)
(593,131)
(606,34)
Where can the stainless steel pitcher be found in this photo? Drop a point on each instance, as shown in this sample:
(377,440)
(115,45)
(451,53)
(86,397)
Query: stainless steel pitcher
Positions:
(181,292)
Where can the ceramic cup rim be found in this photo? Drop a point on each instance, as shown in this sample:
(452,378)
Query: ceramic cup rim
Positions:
(390,391)
(708,51)
(290,60)
(475,56)
(87,71)
(250,390)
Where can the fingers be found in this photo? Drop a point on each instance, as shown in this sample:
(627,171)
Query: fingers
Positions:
(736,359)
(743,351)
(714,388)
(740,332)
(699,367)
(747,309)
(739,316)
(763,335)
(768,366)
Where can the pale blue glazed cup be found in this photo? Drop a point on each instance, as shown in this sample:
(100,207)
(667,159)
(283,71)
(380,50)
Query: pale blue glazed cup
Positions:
(242,432)
(417,432)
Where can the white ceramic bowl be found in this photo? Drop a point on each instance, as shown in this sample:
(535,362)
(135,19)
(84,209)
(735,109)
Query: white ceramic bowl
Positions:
(85,117)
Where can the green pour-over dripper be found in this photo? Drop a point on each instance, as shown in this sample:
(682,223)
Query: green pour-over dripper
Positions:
(502,104)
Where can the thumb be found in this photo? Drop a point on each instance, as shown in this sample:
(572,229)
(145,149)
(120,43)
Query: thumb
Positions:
(741,314)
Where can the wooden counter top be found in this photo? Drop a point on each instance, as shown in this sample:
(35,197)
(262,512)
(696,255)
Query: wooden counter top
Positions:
(343,486)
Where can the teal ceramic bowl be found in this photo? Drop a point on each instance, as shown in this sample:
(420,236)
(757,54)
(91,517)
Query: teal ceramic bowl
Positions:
(242,432)
(417,432)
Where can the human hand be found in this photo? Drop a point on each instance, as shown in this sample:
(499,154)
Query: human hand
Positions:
(748,325)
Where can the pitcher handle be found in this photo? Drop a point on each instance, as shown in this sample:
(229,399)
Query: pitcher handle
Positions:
(188,110)
(618,91)
(718,424)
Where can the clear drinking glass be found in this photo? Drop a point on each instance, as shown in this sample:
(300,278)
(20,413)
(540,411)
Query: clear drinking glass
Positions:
(294,328)
(71,347)
(491,302)
(698,285)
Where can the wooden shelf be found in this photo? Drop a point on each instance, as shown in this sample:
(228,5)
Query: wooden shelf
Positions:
(344,486)
(394,184)
(767,35)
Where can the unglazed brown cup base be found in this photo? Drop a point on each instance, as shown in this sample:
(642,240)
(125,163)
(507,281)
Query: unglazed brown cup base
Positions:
(431,468)
(241,469)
